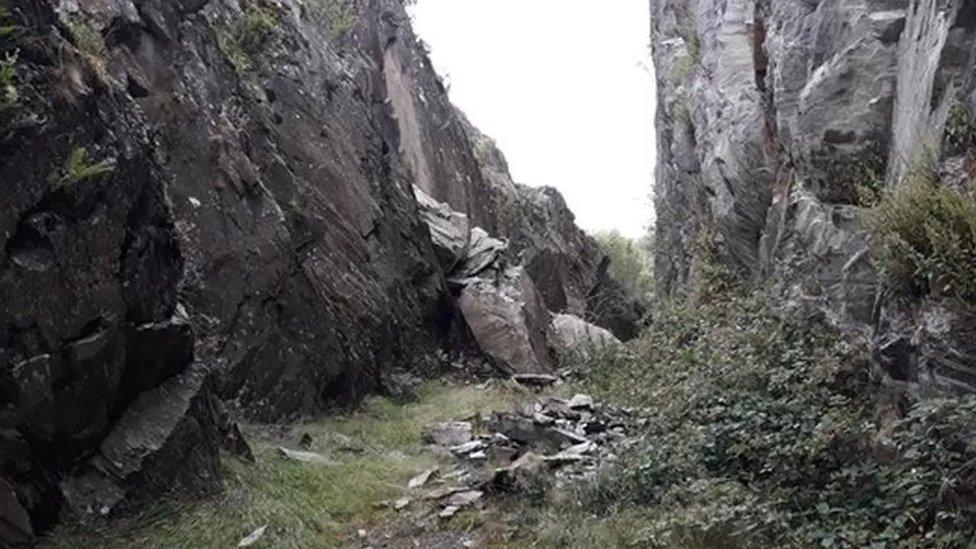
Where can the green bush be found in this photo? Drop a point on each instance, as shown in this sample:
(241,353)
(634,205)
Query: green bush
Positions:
(338,16)
(78,168)
(960,130)
(9,85)
(630,261)
(926,236)
(243,42)
(760,434)
(91,46)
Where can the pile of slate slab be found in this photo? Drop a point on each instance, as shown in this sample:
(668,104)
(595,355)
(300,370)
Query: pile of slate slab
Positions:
(552,441)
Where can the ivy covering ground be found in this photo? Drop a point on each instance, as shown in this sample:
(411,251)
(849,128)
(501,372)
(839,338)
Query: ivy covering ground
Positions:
(763,432)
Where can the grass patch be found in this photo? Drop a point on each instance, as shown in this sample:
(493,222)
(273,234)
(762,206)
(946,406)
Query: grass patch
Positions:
(566,525)
(338,17)
(7,28)
(244,41)
(304,505)
(9,82)
(926,234)
(78,168)
(90,45)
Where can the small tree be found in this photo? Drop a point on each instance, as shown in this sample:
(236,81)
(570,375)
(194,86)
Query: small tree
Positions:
(630,261)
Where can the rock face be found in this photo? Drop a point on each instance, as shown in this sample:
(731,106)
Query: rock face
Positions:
(773,116)
(213,199)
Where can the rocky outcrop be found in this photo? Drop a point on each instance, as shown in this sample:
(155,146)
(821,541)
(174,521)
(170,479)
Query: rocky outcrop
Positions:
(213,199)
(569,267)
(439,144)
(775,118)
(501,304)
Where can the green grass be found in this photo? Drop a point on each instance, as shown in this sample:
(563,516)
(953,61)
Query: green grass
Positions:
(91,46)
(244,41)
(7,28)
(9,84)
(926,236)
(304,505)
(338,17)
(78,168)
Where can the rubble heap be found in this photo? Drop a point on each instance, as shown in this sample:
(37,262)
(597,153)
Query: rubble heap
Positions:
(550,442)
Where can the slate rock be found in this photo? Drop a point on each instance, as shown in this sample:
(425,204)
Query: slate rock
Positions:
(509,321)
(451,433)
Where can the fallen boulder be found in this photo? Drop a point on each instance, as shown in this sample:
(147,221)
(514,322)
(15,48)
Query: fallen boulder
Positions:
(573,336)
(509,320)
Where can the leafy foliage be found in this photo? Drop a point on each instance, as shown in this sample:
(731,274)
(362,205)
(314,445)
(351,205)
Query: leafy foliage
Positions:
(630,261)
(960,130)
(337,15)
(759,435)
(856,178)
(91,46)
(7,28)
(243,41)
(927,237)
(78,168)
(9,90)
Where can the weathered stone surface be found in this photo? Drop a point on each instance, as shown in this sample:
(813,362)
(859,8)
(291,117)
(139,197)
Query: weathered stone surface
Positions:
(254,213)
(509,320)
(573,335)
(570,269)
(450,231)
(165,441)
(302,456)
(457,165)
(450,433)
(15,526)
(535,380)
(773,117)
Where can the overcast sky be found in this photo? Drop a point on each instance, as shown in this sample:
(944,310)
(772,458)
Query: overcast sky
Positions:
(564,88)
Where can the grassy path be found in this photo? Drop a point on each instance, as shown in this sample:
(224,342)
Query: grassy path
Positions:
(371,455)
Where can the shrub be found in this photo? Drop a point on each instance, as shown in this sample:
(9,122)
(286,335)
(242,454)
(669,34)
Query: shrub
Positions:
(926,236)
(91,46)
(9,90)
(338,17)
(242,42)
(960,131)
(78,168)
(759,434)
(7,28)
(256,28)
(630,262)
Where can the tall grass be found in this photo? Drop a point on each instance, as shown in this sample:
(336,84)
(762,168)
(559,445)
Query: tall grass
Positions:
(926,235)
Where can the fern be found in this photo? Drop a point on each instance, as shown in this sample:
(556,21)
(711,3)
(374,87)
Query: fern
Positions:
(78,168)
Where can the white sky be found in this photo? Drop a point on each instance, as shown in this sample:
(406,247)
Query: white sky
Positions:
(564,88)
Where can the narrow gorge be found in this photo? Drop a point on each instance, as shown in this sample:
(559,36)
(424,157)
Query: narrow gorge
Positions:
(263,284)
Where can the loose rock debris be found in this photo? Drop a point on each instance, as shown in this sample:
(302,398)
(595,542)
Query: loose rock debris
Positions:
(559,440)
(302,456)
